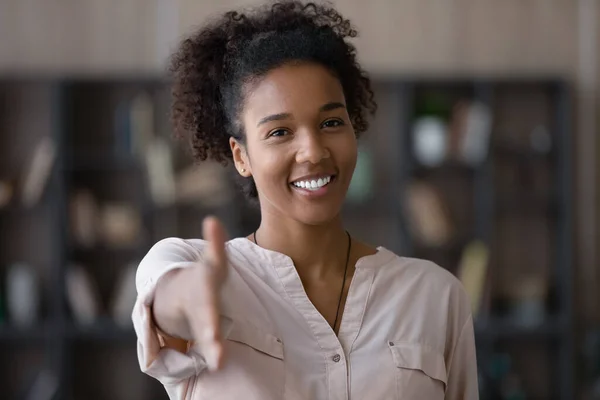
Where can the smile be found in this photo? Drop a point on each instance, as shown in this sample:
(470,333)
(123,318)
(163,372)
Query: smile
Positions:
(313,184)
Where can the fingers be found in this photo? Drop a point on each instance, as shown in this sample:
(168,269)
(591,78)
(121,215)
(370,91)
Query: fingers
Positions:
(205,320)
(205,325)
(214,232)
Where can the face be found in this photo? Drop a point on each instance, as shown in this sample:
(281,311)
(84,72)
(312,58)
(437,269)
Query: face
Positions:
(300,145)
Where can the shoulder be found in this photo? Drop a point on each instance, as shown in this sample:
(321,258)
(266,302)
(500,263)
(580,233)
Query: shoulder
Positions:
(424,271)
(180,249)
(176,248)
(426,281)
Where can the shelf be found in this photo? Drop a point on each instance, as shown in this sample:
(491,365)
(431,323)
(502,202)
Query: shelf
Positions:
(447,167)
(106,250)
(15,209)
(37,333)
(452,246)
(104,163)
(103,330)
(527,203)
(519,152)
(502,328)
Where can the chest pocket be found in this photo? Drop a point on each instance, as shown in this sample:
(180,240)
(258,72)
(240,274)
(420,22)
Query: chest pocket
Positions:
(254,367)
(420,372)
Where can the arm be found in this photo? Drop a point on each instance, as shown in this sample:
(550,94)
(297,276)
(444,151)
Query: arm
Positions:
(462,372)
(178,297)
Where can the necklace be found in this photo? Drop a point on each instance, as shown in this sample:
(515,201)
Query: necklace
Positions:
(345,274)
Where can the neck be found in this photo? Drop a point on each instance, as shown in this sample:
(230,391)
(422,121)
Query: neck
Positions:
(318,251)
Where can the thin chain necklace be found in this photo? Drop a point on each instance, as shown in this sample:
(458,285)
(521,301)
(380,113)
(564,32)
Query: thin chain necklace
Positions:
(343,282)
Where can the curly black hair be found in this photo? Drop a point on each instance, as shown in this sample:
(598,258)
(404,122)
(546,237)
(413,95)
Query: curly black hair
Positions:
(211,67)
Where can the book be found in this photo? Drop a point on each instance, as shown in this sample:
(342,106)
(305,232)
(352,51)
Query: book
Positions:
(473,272)
(84,215)
(120,225)
(427,215)
(38,173)
(6,193)
(205,184)
(82,295)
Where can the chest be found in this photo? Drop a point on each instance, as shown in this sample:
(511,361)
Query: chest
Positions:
(281,346)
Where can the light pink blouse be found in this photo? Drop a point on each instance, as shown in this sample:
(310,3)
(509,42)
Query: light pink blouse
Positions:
(406,331)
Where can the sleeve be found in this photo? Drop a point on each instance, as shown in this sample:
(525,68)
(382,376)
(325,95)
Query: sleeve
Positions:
(462,374)
(169,366)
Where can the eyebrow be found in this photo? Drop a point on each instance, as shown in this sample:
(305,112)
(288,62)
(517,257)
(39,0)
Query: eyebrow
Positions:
(281,116)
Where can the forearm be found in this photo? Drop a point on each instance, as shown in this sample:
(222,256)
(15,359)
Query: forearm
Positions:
(166,308)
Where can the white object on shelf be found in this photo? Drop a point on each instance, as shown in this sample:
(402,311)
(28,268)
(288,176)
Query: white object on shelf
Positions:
(430,145)
(161,177)
(22,295)
(540,139)
(82,294)
(124,296)
(141,114)
(476,135)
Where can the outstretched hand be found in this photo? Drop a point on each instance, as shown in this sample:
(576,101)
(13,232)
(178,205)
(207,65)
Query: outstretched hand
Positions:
(201,304)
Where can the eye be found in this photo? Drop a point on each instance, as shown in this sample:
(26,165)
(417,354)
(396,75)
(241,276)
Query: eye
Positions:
(332,123)
(278,133)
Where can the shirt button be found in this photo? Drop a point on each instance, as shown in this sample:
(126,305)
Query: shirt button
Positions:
(391,343)
(336,358)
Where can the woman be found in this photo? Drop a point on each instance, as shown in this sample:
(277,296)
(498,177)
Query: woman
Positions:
(299,309)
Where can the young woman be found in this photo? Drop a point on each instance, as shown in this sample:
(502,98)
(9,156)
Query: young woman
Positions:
(299,309)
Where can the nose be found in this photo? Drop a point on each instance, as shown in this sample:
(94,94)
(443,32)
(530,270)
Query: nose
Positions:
(311,148)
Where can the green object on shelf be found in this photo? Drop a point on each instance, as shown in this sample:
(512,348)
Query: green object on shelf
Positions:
(433,105)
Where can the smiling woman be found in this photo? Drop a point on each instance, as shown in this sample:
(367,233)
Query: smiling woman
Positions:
(298,309)
(302,156)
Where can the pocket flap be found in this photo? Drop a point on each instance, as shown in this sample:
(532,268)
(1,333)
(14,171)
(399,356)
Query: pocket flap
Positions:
(246,333)
(415,356)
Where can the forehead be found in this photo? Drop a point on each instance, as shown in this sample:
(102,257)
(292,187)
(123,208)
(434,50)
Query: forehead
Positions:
(294,89)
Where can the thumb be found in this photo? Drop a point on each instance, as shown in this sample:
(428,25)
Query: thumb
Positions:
(214,233)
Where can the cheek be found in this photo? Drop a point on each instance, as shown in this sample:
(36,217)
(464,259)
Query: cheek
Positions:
(270,167)
(347,153)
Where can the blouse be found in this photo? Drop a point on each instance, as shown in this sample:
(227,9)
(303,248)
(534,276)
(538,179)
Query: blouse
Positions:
(406,331)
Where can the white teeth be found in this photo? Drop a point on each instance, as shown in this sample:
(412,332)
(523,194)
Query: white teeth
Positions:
(313,184)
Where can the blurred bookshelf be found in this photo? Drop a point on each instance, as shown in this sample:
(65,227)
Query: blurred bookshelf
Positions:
(471,174)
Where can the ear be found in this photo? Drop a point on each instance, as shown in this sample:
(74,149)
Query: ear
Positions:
(240,158)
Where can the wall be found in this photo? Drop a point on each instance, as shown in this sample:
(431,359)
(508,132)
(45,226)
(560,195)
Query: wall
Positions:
(457,37)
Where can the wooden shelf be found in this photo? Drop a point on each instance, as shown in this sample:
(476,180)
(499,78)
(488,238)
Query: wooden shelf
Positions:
(102,330)
(37,333)
(447,167)
(502,328)
(99,162)
(526,203)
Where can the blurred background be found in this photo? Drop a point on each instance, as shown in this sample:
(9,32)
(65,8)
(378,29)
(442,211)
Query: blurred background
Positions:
(482,158)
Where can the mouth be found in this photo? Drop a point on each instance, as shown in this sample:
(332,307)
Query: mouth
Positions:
(314,184)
